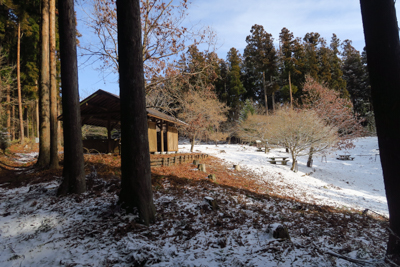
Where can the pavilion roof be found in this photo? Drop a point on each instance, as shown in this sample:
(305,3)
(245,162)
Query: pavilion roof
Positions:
(102,106)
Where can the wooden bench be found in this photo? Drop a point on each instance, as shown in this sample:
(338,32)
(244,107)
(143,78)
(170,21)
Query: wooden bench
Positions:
(345,157)
(282,160)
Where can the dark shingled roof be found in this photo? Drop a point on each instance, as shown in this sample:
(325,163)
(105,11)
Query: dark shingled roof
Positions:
(102,106)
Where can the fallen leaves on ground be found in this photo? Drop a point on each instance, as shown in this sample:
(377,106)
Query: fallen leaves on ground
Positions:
(187,232)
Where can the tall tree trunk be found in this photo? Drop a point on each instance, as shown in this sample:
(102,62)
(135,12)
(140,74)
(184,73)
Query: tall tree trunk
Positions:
(37,117)
(21,121)
(273,101)
(265,94)
(192,143)
(310,157)
(13,122)
(53,89)
(33,119)
(290,91)
(73,173)
(27,122)
(273,95)
(293,168)
(44,105)
(136,189)
(383,55)
(8,109)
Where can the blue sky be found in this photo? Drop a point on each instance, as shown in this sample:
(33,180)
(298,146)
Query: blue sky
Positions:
(232,21)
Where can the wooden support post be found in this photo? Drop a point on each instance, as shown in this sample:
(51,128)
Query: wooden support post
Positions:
(166,141)
(162,135)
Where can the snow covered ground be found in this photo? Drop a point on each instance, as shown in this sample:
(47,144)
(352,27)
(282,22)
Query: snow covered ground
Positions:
(343,184)
(37,228)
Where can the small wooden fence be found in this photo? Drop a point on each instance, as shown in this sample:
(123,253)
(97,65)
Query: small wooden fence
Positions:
(170,161)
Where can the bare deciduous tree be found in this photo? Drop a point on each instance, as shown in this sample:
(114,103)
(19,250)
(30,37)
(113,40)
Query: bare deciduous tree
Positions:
(163,31)
(200,112)
(334,110)
(299,130)
(255,127)
(217,136)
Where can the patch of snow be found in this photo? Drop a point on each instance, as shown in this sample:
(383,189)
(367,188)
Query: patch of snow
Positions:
(356,184)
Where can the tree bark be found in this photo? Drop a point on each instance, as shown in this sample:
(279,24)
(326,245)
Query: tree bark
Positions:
(8,109)
(44,105)
(310,157)
(53,90)
(136,189)
(192,143)
(73,173)
(21,121)
(13,122)
(37,118)
(293,168)
(273,101)
(383,56)
(290,91)
(265,94)
(26,110)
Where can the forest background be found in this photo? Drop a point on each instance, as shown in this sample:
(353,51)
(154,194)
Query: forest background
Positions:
(327,57)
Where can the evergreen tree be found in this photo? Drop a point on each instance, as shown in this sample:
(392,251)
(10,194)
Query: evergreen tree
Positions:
(251,81)
(286,40)
(222,80)
(73,173)
(299,56)
(136,189)
(324,65)
(366,108)
(354,73)
(311,42)
(260,62)
(200,68)
(44,92)
(286,62)
(19,38)
(337,83)
(235,87)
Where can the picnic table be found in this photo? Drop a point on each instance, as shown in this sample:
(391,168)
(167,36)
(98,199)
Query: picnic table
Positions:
(345,157)
(282,160)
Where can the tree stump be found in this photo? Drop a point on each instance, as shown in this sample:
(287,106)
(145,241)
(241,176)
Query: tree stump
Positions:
(211,202)
(212,177)
(278,231)
(237,167)
(202,167)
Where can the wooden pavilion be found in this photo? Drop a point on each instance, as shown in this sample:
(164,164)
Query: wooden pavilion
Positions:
(103,109)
